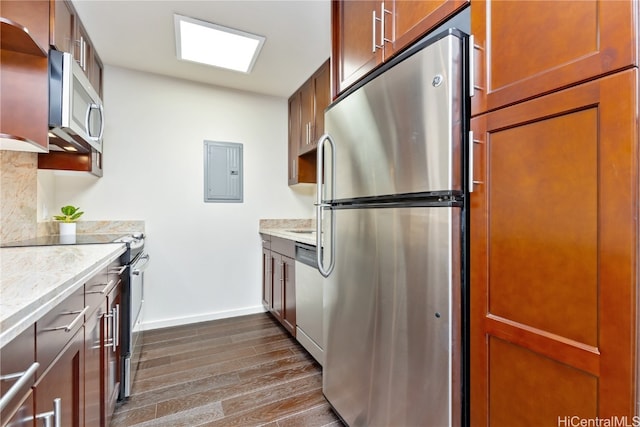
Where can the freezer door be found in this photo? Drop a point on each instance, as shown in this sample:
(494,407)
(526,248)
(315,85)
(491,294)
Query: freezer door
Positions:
(392,318)
(401,132)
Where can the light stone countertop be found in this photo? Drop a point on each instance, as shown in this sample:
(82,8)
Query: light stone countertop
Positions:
(290,229)
(35,279)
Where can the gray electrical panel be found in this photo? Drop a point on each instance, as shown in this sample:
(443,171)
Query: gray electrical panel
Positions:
(222,172)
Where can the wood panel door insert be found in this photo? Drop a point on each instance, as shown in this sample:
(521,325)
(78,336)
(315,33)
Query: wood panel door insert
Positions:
(554,257)
(528,48)
(354,36)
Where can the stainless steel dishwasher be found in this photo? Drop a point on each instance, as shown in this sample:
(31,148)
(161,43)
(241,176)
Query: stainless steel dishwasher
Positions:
(309,301)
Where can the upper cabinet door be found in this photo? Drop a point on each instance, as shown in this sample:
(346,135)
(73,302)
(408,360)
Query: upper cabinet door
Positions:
(411,19)
(355,36)
(322,98)
(307,113)
(367,33)
(62,27)
(529,48)
(294,137)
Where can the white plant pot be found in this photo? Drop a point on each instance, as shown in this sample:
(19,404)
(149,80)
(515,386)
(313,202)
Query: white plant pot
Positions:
(67,228)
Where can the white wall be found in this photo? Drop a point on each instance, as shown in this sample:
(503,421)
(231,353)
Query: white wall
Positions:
(206,257)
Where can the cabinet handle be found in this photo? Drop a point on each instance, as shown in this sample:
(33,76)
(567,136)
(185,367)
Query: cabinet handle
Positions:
(13,391)
(105,289)
(472,141)
(70,326)
(56,415)
(470,161)
(121,270)
(472,67)
(373,31)
(114,341)
(383,39)
(82,52)
(116,325)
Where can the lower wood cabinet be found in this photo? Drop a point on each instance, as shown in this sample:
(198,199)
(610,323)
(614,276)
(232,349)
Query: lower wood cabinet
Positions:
(93,366)
(267,272)
(111,374)
(77,347)
(289,294)
(554,250)
(102,345)
(278,280)
(17,361)
(59,392)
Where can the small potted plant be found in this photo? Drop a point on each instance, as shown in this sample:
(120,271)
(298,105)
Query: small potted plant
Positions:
(70,215)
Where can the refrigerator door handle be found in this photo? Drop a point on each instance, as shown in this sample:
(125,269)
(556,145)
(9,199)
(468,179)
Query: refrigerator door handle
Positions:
(320,205)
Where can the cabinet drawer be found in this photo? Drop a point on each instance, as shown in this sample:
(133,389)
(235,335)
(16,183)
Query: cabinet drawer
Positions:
(116,270)
(97,288)
(266,241)
(283,246)
(57,327)
(15,359)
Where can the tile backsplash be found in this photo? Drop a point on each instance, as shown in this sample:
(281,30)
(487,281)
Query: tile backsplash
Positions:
(18,195)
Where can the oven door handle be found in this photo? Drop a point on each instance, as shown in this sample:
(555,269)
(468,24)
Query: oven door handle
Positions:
(140,265)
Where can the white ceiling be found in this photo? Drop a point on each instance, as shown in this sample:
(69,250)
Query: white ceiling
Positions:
(139,34)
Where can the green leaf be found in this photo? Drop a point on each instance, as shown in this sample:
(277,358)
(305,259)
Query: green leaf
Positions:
(70,214)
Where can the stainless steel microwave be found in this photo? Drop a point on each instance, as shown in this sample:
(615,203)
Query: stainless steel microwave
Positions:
(76,113)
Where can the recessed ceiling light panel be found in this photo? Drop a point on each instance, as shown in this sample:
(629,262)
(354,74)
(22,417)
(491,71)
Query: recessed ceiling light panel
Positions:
(211,44)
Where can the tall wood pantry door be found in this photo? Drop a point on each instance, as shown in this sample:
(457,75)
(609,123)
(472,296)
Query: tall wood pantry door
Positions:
(554,257)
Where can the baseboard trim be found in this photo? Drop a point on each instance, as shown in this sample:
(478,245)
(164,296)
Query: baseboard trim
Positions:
(205,317)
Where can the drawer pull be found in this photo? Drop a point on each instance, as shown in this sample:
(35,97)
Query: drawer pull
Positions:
(104,290)
(121,270)
(70,326)
(24,379)
(114,341)
(56,415)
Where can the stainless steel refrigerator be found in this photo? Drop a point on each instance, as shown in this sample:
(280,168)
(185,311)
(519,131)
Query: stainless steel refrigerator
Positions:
(391,217)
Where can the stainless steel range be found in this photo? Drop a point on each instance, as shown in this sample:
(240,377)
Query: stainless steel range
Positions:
(137,261)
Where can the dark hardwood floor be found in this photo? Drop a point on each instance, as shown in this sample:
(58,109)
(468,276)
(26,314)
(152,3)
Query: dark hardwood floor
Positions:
(243,371)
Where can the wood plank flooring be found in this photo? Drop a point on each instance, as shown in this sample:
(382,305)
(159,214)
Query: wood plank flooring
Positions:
(243,371)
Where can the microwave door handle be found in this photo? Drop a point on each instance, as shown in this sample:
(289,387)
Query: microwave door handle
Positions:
(86,121)
(101,109)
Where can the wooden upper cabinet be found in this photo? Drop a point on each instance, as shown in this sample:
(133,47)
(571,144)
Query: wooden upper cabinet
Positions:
(294,137)
(354,41)
(24,82)
(62,27)
(307,116)
(94,70)
(411,19)
(315,98)
(32,14)
(554,256)
(306,124)
(322,99)
(367,33)
(67,34)
(528,48)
